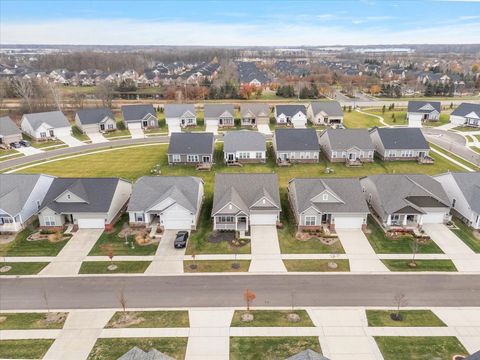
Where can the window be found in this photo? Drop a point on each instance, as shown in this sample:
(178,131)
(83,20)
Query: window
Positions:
(6,220)
(453,202)
(43,134)
(176,158)
(244,155)
(49,220)
(69,196)
(334,154)
(325,197)
(226,219)
(310,220)
(110,126)
(138,217)
(259,155)
(192,158)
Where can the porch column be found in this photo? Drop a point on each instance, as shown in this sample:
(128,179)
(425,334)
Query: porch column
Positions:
(236,222)
(404,222)
(389,220)
(246,222)
(420,219)
(214,222)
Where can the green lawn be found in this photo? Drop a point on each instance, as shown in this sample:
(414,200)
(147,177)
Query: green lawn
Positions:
(154,319)
(422,265)
(24,349)
(24,268)
(444,119)
(215,266)
(419,347)
(455,157)
(77,133)
(395,117)
(383,245)
(409,318)
(49,143)
(465,233)
(464,128)
(121,131)
(22,321)
(249,348)
(123,267)
(110,349)
(354,119)
(118,243)
(316,265)
(271,318)
(9,154)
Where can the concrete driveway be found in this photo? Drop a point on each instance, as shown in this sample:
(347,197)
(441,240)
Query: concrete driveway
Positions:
(212,129)
(96,137)
(266,256)
(264,129)
(174,129)
(167,260)
(30,150)
(70,140)
(137,133)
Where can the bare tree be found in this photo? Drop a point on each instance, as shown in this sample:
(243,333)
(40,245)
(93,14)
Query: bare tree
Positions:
(56,95)
(415,246)
(45,298)
(104,92)
(24,89)
(400,300)
(122,299)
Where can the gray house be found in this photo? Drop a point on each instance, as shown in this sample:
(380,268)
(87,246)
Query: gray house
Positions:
(241,200)
(466,114)
(9,132)
(420,111)
(171,202)
(191,148)
(180,115)
(140,116)
(244,146)
(308,354)
(136,353)
(293,114)
(352,146)
(406,201)
(95,120)
(335,203)
(254,114)
(296,146)
(325,113)
(222,115)
(392,144)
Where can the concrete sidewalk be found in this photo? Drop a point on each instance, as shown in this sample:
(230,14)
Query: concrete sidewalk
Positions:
(266,255)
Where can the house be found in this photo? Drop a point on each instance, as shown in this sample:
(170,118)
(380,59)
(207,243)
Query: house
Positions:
(466,114)
(141,116)
(88,203)
(336,203)
(474,356)
(172,202)
(463,190)
(222,115)
(406,201)
(254,114)
(296,146)
(353,146)
(244,146)
(95,120)
(136,353)
(399,144)
(191,148)
(325,113)
(45,125)
(20,199)
(241,200)
(9,132)
(182,115)
(291,115)
(421,111)
(308,354)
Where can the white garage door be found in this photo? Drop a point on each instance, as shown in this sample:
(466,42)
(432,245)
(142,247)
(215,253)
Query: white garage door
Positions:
(433,218)
(348,222)
(135,125)
(177,224)
(91,223)
(263,219)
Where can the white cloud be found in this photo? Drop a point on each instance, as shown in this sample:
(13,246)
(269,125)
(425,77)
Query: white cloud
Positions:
(469,17)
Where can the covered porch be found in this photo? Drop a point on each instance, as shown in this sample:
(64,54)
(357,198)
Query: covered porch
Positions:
(237,222)
(9,224)
(248,121)
(403,221)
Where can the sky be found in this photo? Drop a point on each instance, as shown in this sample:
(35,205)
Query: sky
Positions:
(240,23)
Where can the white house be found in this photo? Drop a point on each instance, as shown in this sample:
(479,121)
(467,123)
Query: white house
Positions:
(46,125)
(295,115)
(180,115)
(422,111)
(466,114)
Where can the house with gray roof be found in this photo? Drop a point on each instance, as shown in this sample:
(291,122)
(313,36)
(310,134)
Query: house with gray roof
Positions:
(45,125)
(352,146)
(95,120)
(189,148)
(9,132)
(335,203)
(222,115)
(463,190)
(308,354)
(296,146)
(406,201)
(294,115)
(244,146)
(171,202)
(139,116)
(89,203)
(136,353)
(474,356)
(253,114)
(325,113)
(466,114)
(422,111)
(399,144)
(20,198)
(242,200)
(180,115)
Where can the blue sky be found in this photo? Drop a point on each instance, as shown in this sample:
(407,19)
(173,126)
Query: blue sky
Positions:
(246,22)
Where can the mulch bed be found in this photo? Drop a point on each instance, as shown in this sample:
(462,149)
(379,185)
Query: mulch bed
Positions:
(219,236)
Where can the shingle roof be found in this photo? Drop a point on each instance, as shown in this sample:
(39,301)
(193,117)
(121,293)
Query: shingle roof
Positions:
(8,127)
(216,110)
(177,110)
(343,139)
(137,112)
(244,140)
(258,109)
(469,184)
(191,143)
(401,138)
(474,356)
(416,106)
(296,140)
(331,108)
(466,108)
(308,354)
(244,190)
(94,116)
(15,190)
(55,119)
(290,110)
(136,353)
(149,191)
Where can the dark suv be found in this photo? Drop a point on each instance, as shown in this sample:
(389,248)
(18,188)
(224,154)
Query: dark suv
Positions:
(181,240)
(25,143)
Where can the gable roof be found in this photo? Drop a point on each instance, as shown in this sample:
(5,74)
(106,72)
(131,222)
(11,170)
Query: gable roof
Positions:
(8,127)
(343,139)
(216,110)
(15,190)
(149,191)
(290,110)
(466,108)
(469,185)
(177,110)
(244,140)
(136,353)
(258,109)
(244,190)
(94,116)
(423,106)
(191,143)
(331,108)
(296,140)
(137,112)
(474,356)
(401,138)
(308,354)
(55,119)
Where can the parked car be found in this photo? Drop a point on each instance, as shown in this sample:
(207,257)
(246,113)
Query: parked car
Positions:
(181,239)
(25,143)
(15,145)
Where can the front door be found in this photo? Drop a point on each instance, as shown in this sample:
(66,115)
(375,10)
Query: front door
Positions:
(230,157)
(351,156)
(421,154)
(253,121)
(145,123)
(52,134)
(206,159)
(325,218)
(102,127)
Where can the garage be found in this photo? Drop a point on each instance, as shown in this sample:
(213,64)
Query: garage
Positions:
(211,122)
(348,222)
(263,219)
(91,223)
(433,218)
(134,125)
(176,224)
